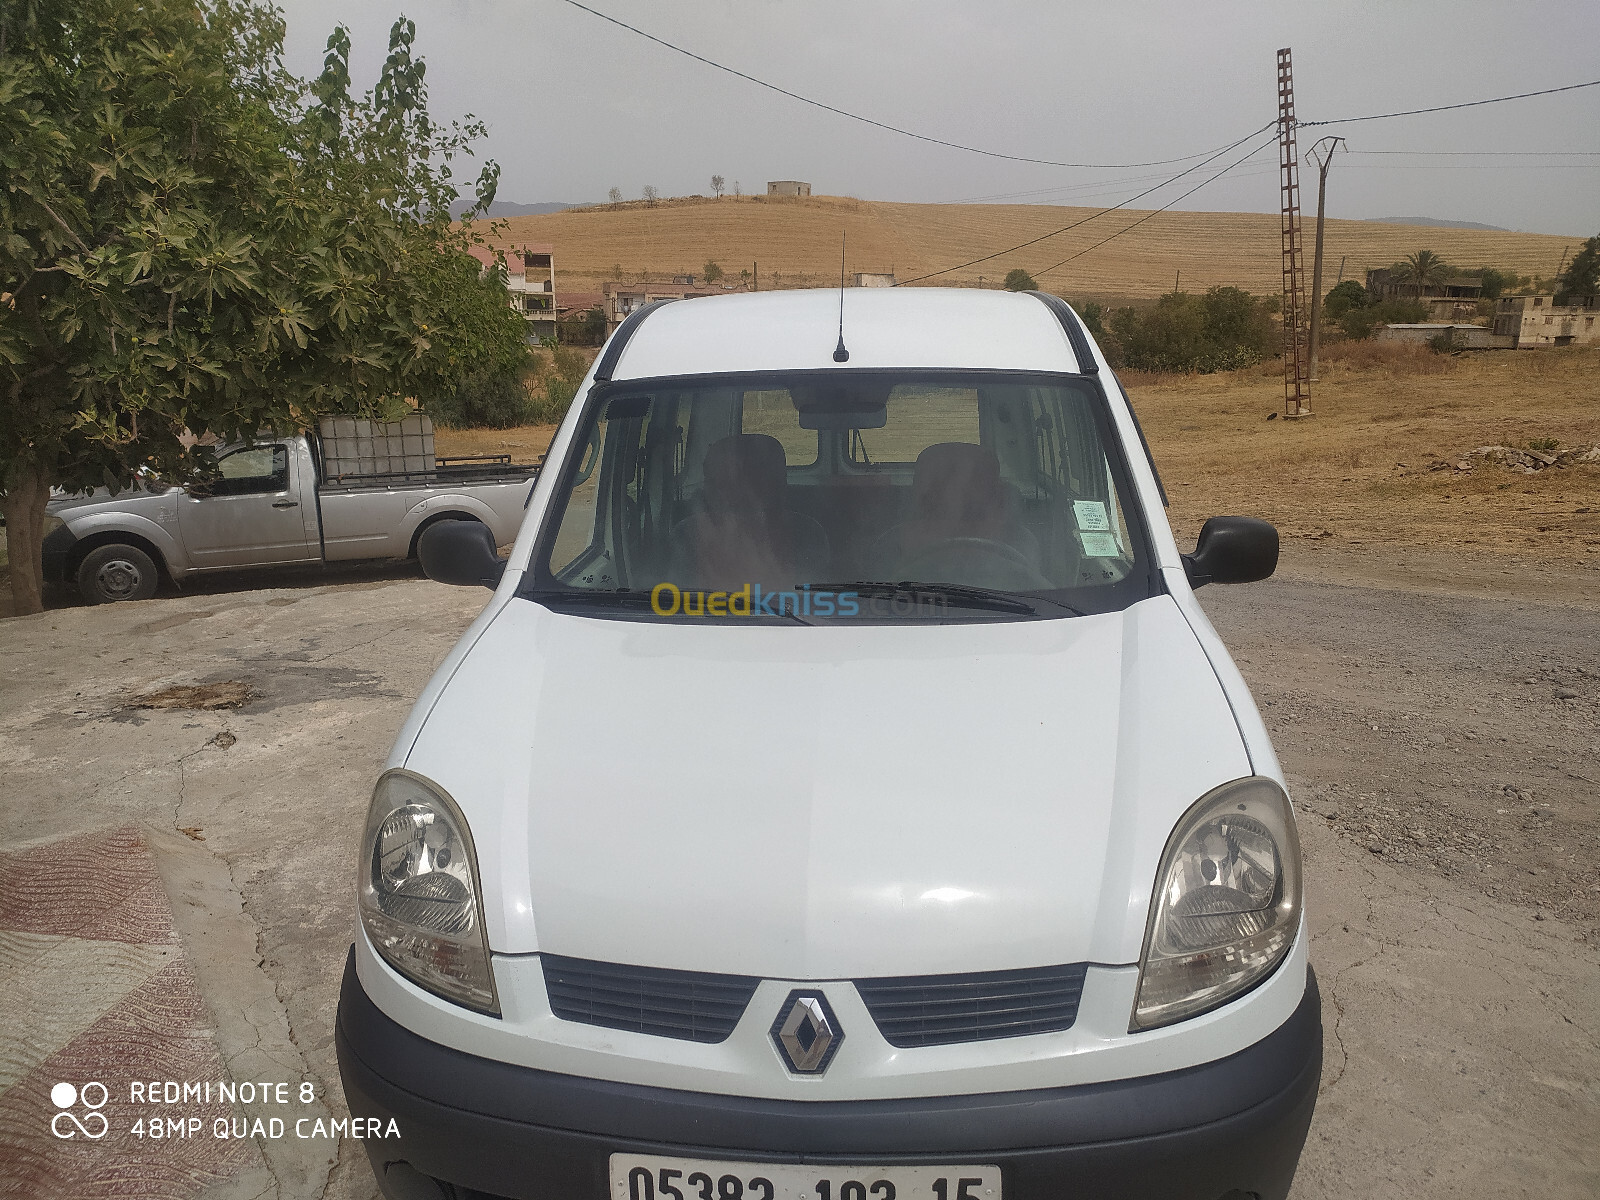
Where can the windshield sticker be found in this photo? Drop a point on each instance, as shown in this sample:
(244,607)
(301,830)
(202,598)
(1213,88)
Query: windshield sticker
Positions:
(1091,514)
(1099,545)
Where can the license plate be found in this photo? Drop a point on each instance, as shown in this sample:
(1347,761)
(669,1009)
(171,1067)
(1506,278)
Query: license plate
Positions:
(649,1177)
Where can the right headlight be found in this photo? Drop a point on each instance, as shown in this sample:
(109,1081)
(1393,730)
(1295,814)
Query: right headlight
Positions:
(418,892)
(1226,906)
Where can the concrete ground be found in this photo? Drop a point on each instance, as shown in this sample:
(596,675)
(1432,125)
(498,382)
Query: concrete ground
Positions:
(175,891)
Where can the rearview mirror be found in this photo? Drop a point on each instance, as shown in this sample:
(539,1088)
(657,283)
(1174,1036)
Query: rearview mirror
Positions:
(1232,550)
(460,552)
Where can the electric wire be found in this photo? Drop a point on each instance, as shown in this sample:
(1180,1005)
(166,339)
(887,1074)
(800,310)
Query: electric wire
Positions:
(1238,162)
(1485,153)
(1206,156)
(921,137)
(1092,216)
(1412,112)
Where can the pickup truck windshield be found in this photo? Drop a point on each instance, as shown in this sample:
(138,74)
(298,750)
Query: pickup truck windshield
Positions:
(844,495)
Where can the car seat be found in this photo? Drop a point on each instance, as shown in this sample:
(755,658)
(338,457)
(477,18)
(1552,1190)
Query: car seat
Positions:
(743,529)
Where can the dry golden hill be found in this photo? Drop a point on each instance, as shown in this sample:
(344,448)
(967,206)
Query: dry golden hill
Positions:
(796,243)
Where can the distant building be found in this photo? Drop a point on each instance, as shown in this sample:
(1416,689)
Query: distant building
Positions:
(788,187)
(1452,301)
(1460,337)
(571,308)
(1533,321)
(531,280)
(873,279)
(622,299)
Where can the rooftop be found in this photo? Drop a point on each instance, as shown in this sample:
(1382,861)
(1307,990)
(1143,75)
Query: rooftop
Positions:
(883,327)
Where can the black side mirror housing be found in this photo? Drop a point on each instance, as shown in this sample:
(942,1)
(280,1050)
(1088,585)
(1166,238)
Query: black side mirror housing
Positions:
(460,552)
(1232,550)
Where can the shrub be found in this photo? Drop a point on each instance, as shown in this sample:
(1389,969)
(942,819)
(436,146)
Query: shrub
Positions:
(1094,318)
(1018,280)
(561,370)
(1224,330)
(1359,323)
(485,400)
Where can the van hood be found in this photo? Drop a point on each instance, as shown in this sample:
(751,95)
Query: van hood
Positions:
(827,802)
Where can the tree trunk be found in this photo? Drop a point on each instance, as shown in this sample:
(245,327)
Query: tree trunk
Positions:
(23,504)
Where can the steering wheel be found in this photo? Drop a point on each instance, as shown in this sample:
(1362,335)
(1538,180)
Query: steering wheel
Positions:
(979,562)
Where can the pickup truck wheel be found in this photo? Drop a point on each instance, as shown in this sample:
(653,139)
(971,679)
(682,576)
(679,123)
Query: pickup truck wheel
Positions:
(110,573)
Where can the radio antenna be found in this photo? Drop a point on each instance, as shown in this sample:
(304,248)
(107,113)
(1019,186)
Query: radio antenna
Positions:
(840,354)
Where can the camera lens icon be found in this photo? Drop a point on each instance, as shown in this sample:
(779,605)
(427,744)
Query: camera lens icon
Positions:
(93,1123)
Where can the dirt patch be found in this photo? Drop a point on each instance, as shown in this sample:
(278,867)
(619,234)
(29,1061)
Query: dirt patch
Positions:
(524,443)
(230,693)
(1451,735)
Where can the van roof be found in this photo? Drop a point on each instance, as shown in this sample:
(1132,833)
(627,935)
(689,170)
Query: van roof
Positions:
(883,327)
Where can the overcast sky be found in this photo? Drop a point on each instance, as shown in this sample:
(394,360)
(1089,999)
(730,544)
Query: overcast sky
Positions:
(576,106)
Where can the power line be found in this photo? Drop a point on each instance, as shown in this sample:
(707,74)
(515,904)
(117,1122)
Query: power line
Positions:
(1238,162)
(1486,153)
(921,137)
(1571,87)
(1085,220)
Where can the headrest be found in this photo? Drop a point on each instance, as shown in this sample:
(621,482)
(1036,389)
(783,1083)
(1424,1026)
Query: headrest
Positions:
(746,469)
(956,481)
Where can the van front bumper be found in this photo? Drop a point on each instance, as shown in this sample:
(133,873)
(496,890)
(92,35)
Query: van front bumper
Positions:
(1228,1129)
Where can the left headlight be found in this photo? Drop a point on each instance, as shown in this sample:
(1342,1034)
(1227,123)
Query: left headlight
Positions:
(419,898)
(1227,903)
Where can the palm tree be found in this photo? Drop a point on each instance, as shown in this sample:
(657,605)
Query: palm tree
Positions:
(1421,270)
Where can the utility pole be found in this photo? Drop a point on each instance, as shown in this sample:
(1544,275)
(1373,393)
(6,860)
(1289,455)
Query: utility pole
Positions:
(1340,280)
(1324,159)
(1296,385)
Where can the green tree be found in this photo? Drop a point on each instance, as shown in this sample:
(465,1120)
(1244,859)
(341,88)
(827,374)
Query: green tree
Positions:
(1018,280)
(1421,270)
(1342,298)
(1581,280)
(711,272)
(195,240)
(1496,283)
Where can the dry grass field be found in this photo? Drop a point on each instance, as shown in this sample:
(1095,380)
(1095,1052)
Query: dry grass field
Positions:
(796,243)
(1365,470)
(1360,473)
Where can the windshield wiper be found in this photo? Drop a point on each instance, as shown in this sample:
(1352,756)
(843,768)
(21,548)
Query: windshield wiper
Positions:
(629,598)
(955,593)
(610,597)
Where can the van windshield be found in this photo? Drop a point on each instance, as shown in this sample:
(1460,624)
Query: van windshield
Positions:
(844,496)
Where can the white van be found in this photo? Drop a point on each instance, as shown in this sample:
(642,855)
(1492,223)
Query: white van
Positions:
(842,797)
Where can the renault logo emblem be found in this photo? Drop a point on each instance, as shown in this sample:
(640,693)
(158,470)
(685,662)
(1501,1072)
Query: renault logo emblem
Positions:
(807,1033)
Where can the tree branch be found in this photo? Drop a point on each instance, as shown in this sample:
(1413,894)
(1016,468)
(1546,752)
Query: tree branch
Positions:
(57,217)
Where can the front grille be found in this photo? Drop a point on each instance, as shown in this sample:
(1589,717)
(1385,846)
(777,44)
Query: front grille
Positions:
(691,1005)
(938,1010)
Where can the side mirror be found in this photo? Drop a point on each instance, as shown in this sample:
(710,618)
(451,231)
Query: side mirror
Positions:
(460,552)
(1232,550)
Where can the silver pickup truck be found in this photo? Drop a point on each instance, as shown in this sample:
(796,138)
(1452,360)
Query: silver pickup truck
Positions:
(273,504)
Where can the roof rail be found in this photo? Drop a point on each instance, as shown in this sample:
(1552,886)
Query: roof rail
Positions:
(1076,334)
(619,339)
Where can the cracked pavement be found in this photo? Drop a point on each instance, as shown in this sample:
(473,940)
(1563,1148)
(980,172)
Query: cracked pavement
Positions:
(1463,1031)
